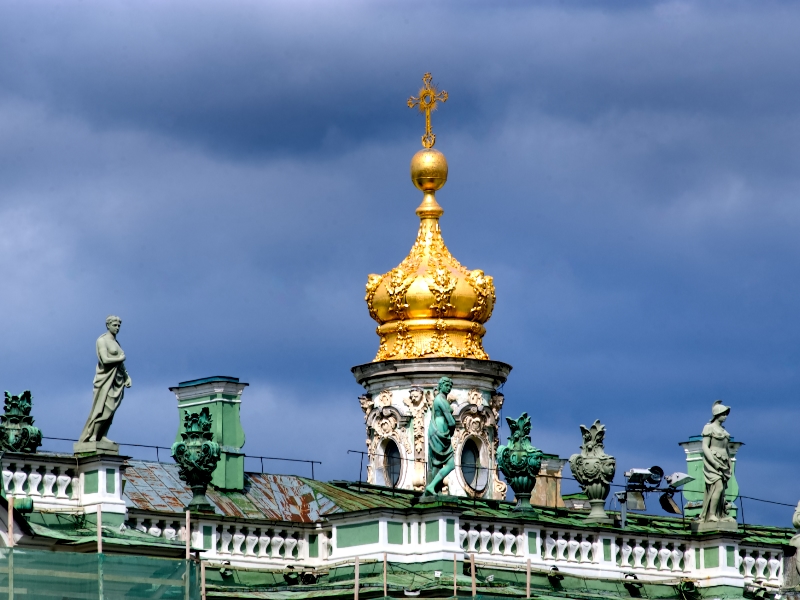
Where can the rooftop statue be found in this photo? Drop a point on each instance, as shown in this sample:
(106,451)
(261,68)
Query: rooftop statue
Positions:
(440,438)
(520,461)
(594,470)
(17,432)
(717,471)
(110,380)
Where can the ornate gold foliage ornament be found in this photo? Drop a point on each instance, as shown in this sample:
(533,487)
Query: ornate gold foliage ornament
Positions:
(430,305)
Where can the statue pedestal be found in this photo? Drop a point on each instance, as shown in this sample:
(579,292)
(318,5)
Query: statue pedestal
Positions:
(95,448)
(713,526)
(428,499)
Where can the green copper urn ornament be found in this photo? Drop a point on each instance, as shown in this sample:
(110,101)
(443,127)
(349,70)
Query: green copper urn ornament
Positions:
(594,470)
(17,432)
(520,461)
(197,456)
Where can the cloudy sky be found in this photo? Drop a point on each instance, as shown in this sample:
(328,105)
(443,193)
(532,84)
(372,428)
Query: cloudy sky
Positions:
(224,175)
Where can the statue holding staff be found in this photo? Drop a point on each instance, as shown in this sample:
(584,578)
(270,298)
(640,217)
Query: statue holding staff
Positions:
(440,438)
(110,381)
(717,467)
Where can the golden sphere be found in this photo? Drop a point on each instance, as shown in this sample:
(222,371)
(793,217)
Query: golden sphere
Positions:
(429,170)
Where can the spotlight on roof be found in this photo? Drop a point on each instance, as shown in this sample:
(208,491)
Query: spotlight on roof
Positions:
(668,503)
(635,501)
(677,480)
(651,476)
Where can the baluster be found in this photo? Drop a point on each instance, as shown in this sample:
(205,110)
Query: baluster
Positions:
(485,537)
(585,546)
(250,544)
(49,482)
(652,553)
(749,562)
(677,555)
(288,546)
(597,550)
(473,536)
(497,539)
(626,554)
(7,476)
(238,540)
(774,565)
(462,537)
(761,564)
(561,548)
(508,544)
(154,530)
(225,542)
(688,559)
(263,545)
(19,482)
(34,479)
(76,488)
(63,481)
(301,549)
(520,544)
(275,544)
(664,555)
(549,546)
(170,533)
(638,554)
(572,546)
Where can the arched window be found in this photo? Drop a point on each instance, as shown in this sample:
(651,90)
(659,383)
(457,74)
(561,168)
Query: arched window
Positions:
(470,463)
(392,462)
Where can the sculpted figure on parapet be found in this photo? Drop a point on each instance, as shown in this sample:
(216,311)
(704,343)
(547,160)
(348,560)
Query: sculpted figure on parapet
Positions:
(110,380)
(717,466)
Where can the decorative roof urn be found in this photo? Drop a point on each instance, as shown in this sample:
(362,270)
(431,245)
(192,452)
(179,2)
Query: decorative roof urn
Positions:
(520,461)
(594,470)
(17,433)
(197,456)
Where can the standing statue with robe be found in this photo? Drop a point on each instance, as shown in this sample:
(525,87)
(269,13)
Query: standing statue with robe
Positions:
(717,467)
(440,438)
(110,381)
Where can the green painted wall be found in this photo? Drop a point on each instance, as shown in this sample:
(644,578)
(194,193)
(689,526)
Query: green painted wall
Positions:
(91,483)
(111,481)
(711,557)
(532,547)
(358,534)
(207,537)
(395,532)
(432,531)
(606,549)
(730,556)
(450,530)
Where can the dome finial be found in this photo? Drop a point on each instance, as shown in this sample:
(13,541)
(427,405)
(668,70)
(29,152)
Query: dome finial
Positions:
(429,96)
(428,166)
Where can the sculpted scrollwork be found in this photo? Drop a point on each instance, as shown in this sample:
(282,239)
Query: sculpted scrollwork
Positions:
(418,402)
(367,404)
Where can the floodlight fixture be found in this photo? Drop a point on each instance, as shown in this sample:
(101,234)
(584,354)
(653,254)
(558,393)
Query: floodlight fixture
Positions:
(668,503)
(635,501)
(678,479)
(640,477)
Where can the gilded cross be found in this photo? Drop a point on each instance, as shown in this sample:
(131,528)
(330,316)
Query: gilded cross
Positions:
(428,97)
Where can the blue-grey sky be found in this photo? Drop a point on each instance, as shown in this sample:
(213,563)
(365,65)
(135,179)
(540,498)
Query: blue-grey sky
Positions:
(224,175)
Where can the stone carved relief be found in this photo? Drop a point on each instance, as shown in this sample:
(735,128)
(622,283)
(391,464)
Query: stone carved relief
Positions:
(475,397)
(496,404)
(418,403)
(366,404)
(384,399)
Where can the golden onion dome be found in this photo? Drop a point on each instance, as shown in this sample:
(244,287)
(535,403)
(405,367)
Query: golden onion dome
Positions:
(430,305)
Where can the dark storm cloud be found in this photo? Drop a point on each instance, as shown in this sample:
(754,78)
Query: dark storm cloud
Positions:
(224,176)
